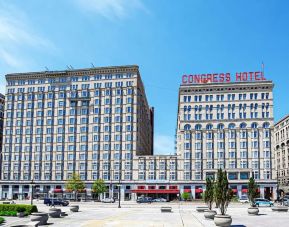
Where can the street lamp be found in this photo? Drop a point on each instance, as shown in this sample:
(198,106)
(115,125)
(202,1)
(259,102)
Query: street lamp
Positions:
(119,191)
(31,183)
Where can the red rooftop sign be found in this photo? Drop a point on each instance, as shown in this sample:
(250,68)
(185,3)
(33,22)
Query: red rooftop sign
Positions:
(222,77)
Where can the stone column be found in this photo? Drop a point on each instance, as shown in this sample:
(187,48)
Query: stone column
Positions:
(239,188)
(10,193)
(20,195)
(122,191)
(193,192)
(1,192)
(262,191)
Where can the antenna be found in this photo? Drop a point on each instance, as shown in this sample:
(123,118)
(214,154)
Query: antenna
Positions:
(71,67)
(92,65)
(47,69)
(263,68)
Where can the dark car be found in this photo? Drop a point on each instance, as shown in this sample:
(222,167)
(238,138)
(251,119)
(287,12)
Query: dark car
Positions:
(144,200)
(55,202)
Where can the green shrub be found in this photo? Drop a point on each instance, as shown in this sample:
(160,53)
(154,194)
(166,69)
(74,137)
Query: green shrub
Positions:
(1,220)
(185,196)
(8,213)
(20,209)
(14,207)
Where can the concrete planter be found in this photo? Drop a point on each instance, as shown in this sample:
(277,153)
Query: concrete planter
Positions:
(209,214)
(74,208)
(41,217)
(253,210)
(223,220)
(202,208)
(20,214)
(54,212)
(280,209)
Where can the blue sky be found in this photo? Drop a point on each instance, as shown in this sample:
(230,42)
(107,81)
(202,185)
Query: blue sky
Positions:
(165,38)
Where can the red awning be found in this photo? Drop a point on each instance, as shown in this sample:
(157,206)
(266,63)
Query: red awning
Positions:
(234,190)
(258,190)
(155,191)
(245,190)
(187,190)
(198,190)
(57,190)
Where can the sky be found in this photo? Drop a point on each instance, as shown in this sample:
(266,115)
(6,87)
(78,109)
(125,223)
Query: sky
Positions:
(165,38)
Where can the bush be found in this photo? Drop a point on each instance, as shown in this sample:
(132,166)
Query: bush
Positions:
(20,209)
(14,207)
(186,196)
(8,213)
(1,220)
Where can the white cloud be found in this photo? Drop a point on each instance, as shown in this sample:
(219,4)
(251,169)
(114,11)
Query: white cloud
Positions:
(164,144)
(112,9)
(16,36)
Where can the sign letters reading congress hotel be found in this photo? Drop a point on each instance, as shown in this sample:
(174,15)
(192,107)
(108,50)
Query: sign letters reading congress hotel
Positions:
(223,77)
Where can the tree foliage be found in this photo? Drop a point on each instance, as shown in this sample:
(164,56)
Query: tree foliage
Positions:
(98,187)
(222,193)
(75,184)
(185,196)
(252,190)
(209,193)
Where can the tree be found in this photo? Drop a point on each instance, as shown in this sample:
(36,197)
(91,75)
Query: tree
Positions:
(222,193)
(185,196)
(252,190)
(98,187)
(75,184)
(209,193)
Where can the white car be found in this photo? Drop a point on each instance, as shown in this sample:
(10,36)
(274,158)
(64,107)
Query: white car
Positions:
(108,200)
(244,199)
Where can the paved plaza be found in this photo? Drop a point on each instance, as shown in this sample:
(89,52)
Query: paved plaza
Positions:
(132,214)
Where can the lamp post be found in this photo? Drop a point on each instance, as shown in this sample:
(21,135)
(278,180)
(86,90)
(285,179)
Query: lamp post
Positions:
(32,183)
(119,190)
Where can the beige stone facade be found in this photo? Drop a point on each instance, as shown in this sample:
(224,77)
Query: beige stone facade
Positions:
(281,147)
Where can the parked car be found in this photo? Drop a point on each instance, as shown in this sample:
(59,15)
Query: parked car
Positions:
(55,202)
(144,200)
(159,200)
(108,200)
(244,199)
(263,202)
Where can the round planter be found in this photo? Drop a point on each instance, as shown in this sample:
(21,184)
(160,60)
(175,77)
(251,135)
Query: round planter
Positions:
(39,216)
(222,220)
(280,209)
(20,214)
(209,214)
(54,212)
(74,208)
(202,209)
(253,210)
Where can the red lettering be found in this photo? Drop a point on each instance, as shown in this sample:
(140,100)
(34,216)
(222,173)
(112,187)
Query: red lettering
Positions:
(191,79)
(257,76)
(215,80)
(228,77)
(251,75)
(203,78)
(262,76)
(245,76)
(184,79)
(238,77)
(197,79)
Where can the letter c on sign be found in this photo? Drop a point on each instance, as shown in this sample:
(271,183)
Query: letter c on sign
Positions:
(185,79)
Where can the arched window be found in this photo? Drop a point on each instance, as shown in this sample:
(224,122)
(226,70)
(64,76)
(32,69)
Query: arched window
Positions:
(232,126)
(185,108)
(254,125)
(243,125)
(198,127)
(220,127)
(187,127)
(189,108)
(209,127)
(266,125)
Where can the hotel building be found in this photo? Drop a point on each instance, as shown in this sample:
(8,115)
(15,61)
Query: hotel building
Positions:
(90,121)
(97,122)
(2,105)
(228,126)
(281,147)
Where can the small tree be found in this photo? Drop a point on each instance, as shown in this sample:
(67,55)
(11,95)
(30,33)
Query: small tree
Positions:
(252,191)
(209,193)
(98,187)
(75,184)
(185,196)
(222,193)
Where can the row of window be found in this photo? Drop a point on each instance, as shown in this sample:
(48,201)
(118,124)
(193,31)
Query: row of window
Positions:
(230,97)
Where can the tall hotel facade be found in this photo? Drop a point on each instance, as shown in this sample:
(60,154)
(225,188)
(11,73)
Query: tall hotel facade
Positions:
(97,122)
(91,121)
(282,152)
(228,126)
